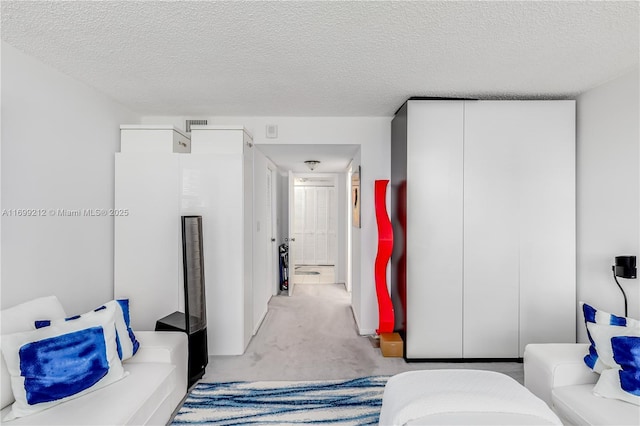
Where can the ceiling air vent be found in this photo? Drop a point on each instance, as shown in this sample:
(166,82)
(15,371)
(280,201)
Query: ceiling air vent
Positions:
(194,123)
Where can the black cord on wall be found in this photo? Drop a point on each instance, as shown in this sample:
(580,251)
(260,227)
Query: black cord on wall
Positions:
(613,268)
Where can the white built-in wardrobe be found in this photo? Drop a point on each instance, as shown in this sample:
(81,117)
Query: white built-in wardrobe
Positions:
(490,225)
(156,184)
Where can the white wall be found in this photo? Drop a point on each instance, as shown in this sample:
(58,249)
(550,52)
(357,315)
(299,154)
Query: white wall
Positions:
(373,134)
(608,190)
(58,141)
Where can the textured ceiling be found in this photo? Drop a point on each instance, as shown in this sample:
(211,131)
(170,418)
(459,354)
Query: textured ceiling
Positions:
(325,58)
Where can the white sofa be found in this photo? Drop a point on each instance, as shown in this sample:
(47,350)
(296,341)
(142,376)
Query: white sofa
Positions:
(557,374)
(149,394)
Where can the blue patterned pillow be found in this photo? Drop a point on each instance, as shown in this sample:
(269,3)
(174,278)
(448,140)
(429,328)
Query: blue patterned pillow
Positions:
(62,361)
(622,382)
(126,341)
(614,353)
(601,328)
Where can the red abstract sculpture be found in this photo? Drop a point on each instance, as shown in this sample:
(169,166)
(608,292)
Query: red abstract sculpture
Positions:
(385,246)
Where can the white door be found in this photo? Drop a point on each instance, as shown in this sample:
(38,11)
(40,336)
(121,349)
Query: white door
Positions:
(301,251)
(315,225)
(291,238)
(491,224)
(273,257)
(148,252)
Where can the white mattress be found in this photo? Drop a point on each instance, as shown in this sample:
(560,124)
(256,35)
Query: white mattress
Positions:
(132,400)
(458,397)
(577,405)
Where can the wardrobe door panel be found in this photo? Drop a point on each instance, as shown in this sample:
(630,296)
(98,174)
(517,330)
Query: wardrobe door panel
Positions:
(147,248)
(547,227)
(434,229)
(212,187)
(491,227)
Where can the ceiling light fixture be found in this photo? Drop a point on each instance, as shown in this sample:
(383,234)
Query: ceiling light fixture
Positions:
(311,164)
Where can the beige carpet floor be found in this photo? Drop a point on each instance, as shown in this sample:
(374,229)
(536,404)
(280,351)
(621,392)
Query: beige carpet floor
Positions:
(313,336)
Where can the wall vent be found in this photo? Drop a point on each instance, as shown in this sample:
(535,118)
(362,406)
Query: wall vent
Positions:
(194,123)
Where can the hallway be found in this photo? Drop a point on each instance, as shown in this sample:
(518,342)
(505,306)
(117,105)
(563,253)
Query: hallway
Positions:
(312,336)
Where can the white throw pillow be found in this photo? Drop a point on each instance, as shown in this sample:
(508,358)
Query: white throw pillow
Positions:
(61,362)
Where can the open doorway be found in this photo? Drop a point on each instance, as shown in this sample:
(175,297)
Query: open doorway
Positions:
(317,241)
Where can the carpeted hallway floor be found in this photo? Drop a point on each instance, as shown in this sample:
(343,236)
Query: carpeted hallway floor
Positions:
(313,336)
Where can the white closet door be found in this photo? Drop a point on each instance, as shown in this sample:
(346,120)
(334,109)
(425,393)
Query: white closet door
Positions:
(148,242)
(298,230)
(491,229)
(547,227)
(212,187)
(309,227)
(322,226)
(434,223)
(332,226)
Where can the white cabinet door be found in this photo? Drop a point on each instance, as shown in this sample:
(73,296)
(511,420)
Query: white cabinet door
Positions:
(148,242)
(212,188)
(434,229)
(491,229)
(547,225)
(519,219)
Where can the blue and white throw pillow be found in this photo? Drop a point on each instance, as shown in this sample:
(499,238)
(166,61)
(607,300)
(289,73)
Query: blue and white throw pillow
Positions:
(614,353)
(125,338)
(622,383)
(601,328)
(63,361)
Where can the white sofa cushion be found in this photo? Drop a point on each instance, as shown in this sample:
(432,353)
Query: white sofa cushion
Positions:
(22,318)
(577,405)
(134,400)
(413,397)
(167,347)
(551,365)
(62,361)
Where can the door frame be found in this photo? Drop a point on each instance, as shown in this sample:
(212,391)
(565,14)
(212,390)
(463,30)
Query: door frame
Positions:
(273,255)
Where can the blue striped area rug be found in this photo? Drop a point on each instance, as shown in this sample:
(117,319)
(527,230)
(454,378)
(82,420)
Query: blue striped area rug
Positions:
(332,402)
